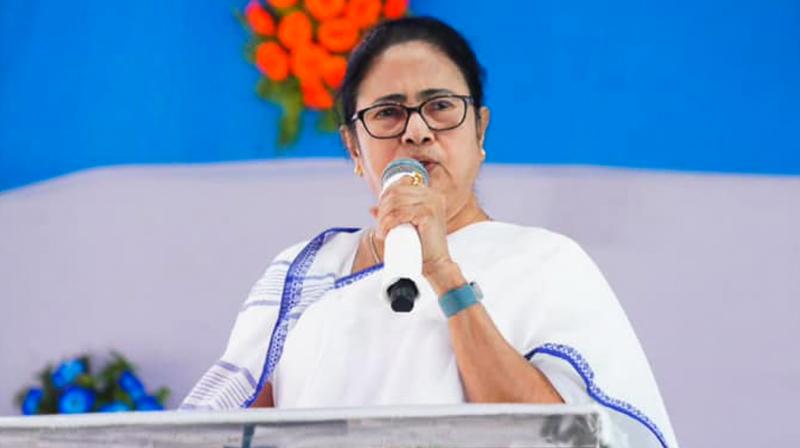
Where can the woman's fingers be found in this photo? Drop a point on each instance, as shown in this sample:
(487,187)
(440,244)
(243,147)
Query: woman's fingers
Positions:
(400,197)
(416,214)
(418,205)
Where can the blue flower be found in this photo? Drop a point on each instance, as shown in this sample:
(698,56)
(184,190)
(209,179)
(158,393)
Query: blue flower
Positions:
(116,406)
(148,403)
(130,384)
(75,400)
(67,372)
(30,405)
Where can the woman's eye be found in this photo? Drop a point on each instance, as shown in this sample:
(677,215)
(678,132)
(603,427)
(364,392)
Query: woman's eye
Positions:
(388,112)
(442,104)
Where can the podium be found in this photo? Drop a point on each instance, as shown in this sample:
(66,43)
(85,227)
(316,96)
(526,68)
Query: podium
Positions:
(457,426)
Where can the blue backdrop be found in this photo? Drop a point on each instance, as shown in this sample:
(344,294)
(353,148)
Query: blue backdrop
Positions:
(710,85)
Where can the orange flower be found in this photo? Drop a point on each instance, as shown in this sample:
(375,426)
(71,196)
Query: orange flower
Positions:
(295,29)
(338,35)
(315,95)
(363,13)
(272,61)
(333,70)
(259,19)
(282,3)
(324,9)
(307,62)
(394,9)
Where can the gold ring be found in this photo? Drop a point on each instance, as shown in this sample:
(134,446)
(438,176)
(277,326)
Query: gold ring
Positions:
(416,179)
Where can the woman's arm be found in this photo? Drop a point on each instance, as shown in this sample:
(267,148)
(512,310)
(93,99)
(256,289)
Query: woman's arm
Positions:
(264,399)
(491,369)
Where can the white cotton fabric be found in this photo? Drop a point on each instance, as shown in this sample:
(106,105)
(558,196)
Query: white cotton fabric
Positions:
(342,345)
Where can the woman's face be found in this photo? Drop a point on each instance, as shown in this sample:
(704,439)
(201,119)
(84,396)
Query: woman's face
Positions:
(408,74)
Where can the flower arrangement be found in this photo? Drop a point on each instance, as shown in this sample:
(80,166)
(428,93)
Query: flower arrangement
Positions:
(71,388)
(301,49)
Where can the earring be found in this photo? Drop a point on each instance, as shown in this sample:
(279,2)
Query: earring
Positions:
(358,171)
(483,153)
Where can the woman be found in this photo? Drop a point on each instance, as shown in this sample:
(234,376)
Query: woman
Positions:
(314,331)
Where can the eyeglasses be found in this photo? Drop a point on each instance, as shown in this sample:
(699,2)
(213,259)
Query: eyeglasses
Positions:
(440,113)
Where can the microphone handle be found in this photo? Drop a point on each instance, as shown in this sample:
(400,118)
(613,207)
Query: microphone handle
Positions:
(402,267)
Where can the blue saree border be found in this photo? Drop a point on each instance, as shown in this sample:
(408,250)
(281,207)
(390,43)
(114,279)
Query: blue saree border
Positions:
(579,363)
(290,297)
(352,278)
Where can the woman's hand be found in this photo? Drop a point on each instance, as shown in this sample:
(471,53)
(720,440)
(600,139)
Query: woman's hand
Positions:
(422,207)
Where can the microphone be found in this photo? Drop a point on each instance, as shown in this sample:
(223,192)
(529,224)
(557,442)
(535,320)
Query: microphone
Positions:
(402,250)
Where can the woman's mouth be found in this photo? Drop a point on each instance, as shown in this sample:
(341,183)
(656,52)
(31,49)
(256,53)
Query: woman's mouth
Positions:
(428,165)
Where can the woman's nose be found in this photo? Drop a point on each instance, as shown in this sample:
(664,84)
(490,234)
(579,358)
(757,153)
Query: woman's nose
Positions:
(417,131)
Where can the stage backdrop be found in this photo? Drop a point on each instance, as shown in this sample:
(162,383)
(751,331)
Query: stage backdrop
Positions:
(143,194)
(706,85)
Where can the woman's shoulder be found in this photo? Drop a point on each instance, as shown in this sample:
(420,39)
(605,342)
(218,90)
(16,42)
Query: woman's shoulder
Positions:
(288,254)
(333,236)
(531,232)
(522,237)
(508,247)
(328,251)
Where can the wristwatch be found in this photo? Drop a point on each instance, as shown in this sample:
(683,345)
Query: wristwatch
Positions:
(455,300)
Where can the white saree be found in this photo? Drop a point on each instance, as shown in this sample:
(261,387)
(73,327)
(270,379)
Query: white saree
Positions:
(324,337)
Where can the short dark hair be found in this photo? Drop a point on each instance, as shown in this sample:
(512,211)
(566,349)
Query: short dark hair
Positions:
(426,29)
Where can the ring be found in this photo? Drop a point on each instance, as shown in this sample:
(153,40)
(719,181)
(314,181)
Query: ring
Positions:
(416,179)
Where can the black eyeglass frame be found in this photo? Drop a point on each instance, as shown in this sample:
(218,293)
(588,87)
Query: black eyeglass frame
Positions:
(467,99)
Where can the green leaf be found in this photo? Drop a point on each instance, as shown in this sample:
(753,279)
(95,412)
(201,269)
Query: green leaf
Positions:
(120,395)
(265,88)
(280,12)
(85,380)
(19,398)
(328,121)
(46,376)
(250,51)
(162,394)
(289,126)
(288,90)
(241,19)
(87,362)
(122,361)
(287,95)
(49,404)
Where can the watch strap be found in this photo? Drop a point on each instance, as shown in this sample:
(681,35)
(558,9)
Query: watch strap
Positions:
(454,301)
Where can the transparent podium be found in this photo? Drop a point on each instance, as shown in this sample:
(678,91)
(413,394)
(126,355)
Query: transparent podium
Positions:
(463,426)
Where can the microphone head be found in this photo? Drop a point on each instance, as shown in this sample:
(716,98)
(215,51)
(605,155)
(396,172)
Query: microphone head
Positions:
(404,167)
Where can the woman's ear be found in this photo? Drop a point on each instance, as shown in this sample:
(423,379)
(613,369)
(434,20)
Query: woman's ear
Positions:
(483,125)
(351,143)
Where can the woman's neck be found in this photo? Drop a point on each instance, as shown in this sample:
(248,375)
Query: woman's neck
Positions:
(470,213)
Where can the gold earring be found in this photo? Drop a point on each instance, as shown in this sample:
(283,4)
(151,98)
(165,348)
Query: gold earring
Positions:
(358,171)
